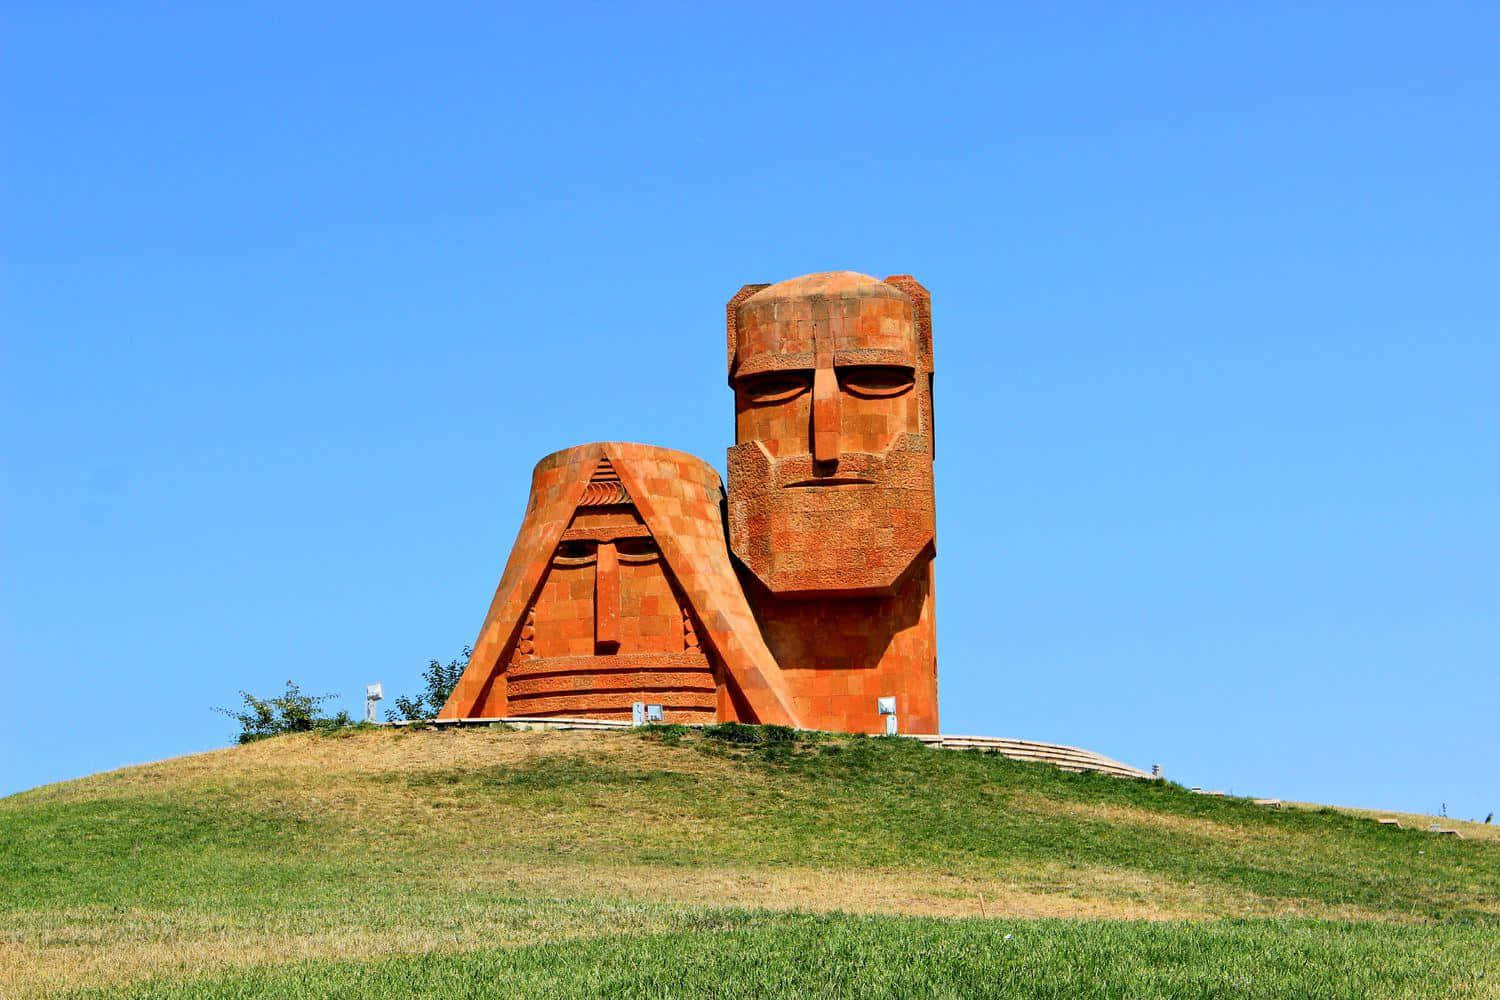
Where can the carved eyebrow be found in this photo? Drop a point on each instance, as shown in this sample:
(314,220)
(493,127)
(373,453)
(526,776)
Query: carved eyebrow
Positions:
(874,357)
(760,364)
(606,533)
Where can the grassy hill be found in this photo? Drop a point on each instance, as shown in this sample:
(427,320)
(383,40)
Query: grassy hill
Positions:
(663,863)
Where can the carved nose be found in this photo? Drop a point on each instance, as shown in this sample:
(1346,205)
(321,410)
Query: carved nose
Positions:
(825,416)
(606,599)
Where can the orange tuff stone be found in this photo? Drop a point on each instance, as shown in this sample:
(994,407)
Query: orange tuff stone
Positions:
(831,507)
(621,588)
(621,544)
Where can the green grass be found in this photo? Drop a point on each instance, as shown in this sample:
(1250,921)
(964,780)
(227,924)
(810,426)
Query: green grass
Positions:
(431,857)
(738,954)
(892,803)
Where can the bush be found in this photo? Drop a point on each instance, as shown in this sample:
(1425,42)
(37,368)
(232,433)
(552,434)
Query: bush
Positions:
(440,681)
(743,735)
(292,712)
(670,733)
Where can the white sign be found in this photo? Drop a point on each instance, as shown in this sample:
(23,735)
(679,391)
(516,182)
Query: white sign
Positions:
(373,693)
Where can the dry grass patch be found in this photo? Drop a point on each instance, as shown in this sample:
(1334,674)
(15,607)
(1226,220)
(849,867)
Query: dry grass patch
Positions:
(96,946)
(314,760)
(1416,821)
(1170,823)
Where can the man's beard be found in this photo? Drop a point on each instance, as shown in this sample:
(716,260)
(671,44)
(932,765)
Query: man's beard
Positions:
(858,535)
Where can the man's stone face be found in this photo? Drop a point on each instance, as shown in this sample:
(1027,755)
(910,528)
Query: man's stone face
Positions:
(830,483)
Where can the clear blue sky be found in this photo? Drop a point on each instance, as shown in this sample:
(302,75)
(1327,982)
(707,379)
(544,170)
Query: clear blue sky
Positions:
(296,294)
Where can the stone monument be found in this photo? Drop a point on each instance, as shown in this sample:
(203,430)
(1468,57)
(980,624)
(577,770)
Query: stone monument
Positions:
(830,491)
(802,599)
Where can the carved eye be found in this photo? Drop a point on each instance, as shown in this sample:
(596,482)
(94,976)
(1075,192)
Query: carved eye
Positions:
(775,387)
(636,547)
(576,553)
(876,380)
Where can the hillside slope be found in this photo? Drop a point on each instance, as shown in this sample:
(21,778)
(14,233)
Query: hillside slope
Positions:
(336,852)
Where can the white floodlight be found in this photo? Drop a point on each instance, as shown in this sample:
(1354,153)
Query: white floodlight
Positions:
(373,693)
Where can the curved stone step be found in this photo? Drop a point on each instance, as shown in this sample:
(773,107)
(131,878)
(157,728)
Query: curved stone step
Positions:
(1066,757)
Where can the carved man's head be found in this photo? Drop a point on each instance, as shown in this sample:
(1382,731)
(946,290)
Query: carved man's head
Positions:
(830,479)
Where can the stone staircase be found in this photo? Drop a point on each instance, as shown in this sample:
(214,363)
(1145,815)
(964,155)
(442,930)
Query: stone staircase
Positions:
(1066,757)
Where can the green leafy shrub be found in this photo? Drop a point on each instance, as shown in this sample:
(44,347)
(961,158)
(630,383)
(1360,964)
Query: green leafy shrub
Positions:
(440,680)
(743,735)
(669,733)
(291,712)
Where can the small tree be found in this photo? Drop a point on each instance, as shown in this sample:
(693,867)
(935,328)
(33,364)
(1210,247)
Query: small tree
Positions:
(292,712)
(440,681)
